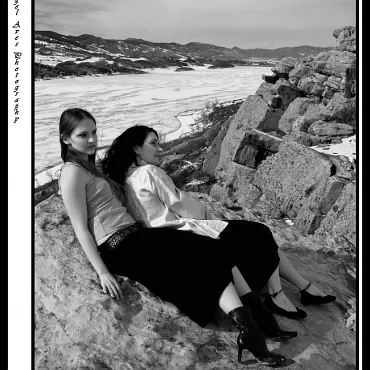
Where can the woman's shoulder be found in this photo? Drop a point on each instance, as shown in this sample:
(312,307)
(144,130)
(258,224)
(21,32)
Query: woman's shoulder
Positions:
(148,169)
(72,170)
(146,174)
(72,167)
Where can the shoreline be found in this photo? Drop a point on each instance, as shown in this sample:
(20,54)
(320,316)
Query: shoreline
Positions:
(346,148)
(47,175)
(186,119)
(145,71)
(163,93)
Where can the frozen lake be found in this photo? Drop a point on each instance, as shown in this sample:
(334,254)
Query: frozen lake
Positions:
(121,101)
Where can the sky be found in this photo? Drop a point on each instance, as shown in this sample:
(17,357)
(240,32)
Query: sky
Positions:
(268,24)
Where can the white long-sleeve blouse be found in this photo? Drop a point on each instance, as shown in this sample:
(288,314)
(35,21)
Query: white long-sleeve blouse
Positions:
(153,199)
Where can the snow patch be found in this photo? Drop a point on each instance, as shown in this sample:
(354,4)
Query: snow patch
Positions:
(346,148)
(134,59)
(89,60)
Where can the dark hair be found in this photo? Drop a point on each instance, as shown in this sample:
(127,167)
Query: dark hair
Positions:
(69,120)
(120,156)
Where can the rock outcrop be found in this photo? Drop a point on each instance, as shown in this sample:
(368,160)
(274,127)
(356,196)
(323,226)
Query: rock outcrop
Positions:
(265,160)
(77,326)
(213,153)
(279,94)
(254,113)
(346,38)
(261,164)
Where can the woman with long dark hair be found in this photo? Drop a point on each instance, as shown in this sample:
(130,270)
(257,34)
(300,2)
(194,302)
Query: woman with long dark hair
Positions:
(153,199)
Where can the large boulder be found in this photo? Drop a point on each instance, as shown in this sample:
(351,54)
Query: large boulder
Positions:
(322,128)
(288,178)
(311,85)
(234,189)
(254,113)
(315,112)
(346,38)
(319,203)
(279,94)
(267,93)
(286,91)
(299,72)
(284,66)
(333,83)
(327,94)
(270,78)
(343,166)
(341,109)
(79,327)
(338,109)
(304,138)
(299,183)
(255,147)
(335,63)
(297,108)
(340,220)
(213,151)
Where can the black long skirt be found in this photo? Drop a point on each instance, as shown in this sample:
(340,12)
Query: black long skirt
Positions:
(254,250)
(191,271)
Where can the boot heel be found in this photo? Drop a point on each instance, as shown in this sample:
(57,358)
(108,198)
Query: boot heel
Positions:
(251,338)
(240,352)
(257,347)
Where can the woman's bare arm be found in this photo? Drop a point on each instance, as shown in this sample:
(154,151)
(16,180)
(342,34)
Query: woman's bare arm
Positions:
(73,182)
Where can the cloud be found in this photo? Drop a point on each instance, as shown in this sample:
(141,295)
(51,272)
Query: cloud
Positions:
(193,20)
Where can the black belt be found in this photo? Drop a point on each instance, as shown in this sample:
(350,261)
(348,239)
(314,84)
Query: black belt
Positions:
(112,242)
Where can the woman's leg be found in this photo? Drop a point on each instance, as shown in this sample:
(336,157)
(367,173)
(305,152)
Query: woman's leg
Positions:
(281,300)
(261,251)
(241,286)
(255,259)
(290,274)
(250,336)
(262,317)
(229,299)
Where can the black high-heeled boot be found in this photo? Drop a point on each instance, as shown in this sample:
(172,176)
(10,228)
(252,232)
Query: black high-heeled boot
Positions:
(242,319)
(264,319)
(251,337)
(307,298)
(258,350)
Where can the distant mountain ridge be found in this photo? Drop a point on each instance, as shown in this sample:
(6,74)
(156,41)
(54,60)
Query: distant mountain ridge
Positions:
(57,54)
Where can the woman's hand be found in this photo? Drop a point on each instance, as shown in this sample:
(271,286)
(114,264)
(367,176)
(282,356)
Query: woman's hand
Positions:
(110,285)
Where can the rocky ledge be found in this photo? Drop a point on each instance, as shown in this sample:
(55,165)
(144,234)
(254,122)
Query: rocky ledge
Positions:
(79,327)
(257,164)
